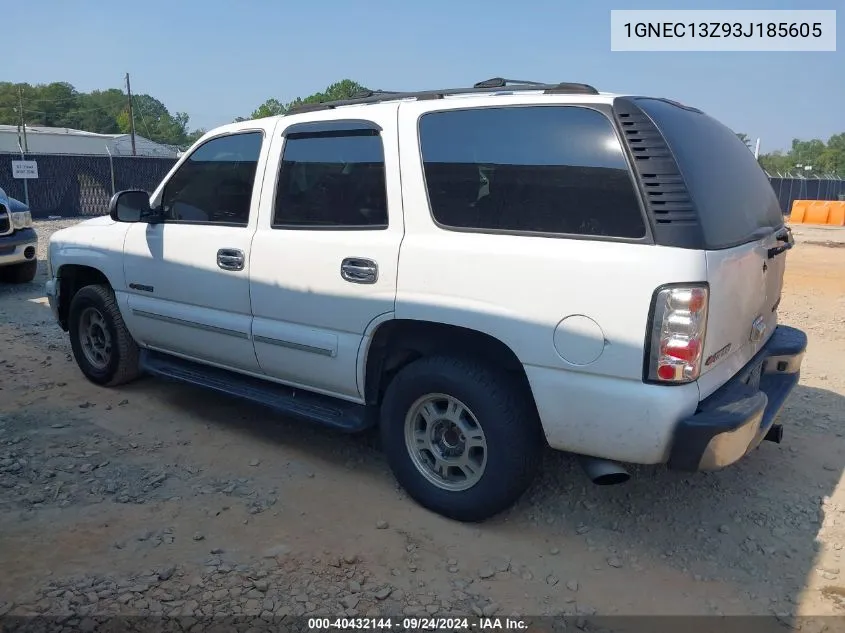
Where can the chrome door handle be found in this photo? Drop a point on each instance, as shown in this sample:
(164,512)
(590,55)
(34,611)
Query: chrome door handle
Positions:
(230,259)
(359,271)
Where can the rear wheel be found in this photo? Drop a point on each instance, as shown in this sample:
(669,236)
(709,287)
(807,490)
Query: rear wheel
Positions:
(461,438)
(102,346)
(21,273)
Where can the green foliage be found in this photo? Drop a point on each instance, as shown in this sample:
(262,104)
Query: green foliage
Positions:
(344,89)
(825,158)
(103,111)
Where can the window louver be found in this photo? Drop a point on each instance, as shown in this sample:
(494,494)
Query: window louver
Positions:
(665,193)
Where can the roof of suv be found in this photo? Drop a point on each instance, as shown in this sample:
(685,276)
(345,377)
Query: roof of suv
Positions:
(483,91)
(490,87)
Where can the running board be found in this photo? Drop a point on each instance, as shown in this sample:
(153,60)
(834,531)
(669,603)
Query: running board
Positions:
(338,414)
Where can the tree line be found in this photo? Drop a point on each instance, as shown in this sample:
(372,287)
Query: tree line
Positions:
(59,104)
(343,89)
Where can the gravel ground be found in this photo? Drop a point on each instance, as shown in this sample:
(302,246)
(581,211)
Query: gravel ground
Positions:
(161,499)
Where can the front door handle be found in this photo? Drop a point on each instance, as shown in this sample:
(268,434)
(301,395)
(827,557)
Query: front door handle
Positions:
(359,271)
(230,259)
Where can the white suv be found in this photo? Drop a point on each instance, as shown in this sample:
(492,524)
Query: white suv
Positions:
(477,272)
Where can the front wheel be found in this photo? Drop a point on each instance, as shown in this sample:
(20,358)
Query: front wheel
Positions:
(102,346)
(462,438)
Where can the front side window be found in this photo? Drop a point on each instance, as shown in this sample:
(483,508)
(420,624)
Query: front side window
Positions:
(332,180)
(537,169)
(215,184)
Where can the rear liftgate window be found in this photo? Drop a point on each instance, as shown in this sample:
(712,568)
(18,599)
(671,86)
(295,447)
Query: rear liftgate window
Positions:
(544,169)
(732,194)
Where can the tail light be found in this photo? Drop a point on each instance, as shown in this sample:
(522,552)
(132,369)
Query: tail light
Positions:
(677,329)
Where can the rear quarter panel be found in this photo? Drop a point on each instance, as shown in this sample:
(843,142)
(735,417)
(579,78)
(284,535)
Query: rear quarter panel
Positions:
(574,311)
(519,288)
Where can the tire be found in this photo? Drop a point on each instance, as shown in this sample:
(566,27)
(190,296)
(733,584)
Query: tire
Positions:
(22,273)
(508,423)
(117,361)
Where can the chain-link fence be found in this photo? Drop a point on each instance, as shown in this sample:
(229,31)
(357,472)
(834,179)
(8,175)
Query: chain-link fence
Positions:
(71,185)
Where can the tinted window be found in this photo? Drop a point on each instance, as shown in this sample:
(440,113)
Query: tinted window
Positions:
(215,183)
(332,180)
(544,169)
(733,195)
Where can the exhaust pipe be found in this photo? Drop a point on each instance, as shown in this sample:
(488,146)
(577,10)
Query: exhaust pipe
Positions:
(774,434)
(603,472)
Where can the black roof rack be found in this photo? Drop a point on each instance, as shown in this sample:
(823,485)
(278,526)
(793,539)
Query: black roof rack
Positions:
(499,82)
(493,85)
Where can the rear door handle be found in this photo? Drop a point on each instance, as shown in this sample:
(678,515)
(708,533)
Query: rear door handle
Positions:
(359,271)
(230,259)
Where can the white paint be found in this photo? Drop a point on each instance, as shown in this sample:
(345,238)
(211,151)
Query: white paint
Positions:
(298,294)
(609,417)
(203,310)
(579,340)
(744,285)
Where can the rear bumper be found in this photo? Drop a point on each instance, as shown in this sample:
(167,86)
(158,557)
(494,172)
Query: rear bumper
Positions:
(734,420)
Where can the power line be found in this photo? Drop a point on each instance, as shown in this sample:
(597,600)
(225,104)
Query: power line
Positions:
(143,119)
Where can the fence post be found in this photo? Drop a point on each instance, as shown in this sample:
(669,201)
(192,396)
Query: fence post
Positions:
(111,167)
(25,180)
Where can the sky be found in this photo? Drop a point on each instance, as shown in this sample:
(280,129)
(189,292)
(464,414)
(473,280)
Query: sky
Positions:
(220,59)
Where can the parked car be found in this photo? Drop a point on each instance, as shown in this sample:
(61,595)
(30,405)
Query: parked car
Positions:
(478,272)
(18,241)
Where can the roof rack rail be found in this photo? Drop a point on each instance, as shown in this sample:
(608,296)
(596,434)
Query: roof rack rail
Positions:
(499,82)
(363,94)
(494,85)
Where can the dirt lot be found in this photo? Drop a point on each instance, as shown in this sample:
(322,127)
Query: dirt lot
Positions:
(158,498)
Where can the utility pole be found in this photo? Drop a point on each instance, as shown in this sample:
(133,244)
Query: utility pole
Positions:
(23,123)
(131,115)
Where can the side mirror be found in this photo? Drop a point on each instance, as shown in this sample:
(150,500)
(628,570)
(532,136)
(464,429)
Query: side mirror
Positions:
(132,205)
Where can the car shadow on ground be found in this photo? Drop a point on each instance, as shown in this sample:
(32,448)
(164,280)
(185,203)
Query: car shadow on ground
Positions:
(36,285)
(755,524)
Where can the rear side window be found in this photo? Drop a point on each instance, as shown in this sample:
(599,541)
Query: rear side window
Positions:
(543,169)
(332,181)
(734,198)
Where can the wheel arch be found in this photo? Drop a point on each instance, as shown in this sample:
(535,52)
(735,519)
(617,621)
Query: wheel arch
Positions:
(72,277)
(397,342)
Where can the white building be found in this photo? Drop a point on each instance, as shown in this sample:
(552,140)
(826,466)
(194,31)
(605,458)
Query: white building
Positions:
(62,140)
